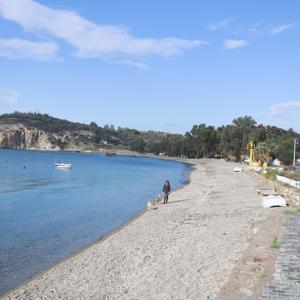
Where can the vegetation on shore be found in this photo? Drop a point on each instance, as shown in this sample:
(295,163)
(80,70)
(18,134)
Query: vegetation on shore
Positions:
(292,211)
(276,244)
(227,141)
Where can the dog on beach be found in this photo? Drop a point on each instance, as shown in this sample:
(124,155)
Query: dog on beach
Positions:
(151,206)
(158,200)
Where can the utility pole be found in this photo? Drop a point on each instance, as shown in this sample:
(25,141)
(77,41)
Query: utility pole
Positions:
(294,159)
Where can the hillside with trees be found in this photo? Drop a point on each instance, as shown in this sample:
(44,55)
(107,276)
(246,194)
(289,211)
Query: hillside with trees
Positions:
(227,141)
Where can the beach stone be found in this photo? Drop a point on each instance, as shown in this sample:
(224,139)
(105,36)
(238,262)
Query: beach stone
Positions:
(179,251)
(246,292)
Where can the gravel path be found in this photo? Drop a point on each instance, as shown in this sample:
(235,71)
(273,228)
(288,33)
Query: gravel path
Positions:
(183,250)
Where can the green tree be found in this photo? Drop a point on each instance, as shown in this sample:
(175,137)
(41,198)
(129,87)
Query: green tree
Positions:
(230,141)
(172,145)
(205,140)
(93,126)
(285,151)
(189,149)
(262,151)
(138,144)
(246,125)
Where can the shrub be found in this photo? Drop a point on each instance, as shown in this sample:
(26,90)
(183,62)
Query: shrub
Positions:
(270,173)
(275,243)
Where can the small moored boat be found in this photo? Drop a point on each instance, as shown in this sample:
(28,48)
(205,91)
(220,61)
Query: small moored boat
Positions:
(63,165)
(110,153)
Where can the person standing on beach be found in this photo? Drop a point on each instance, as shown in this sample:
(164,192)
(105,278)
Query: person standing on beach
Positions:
(166,191)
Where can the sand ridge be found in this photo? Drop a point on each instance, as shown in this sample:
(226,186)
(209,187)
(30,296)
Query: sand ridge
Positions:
(186,249)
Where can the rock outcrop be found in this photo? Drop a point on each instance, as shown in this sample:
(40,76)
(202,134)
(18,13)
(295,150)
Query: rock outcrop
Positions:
(24,138)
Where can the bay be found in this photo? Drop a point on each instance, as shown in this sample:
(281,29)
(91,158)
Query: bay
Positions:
(47,214)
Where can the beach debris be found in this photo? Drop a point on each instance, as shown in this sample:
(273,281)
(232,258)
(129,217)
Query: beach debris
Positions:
(259,259)
(273,201)
(266,191)
(237,169)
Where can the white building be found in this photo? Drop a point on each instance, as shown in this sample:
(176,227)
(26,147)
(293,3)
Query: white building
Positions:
(276,162)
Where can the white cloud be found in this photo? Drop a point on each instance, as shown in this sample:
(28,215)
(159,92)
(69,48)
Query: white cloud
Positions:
(89,39)
(282,108)
(234,44)
(259,29)
(9,98)
(282,28)
(24,49)
(136,64)
(218,25)
(255,29)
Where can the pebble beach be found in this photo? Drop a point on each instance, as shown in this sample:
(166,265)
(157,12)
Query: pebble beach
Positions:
(185,249)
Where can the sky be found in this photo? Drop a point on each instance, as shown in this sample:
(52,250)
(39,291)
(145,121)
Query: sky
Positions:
(152,65)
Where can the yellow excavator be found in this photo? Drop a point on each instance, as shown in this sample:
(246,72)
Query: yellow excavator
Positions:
(253,161)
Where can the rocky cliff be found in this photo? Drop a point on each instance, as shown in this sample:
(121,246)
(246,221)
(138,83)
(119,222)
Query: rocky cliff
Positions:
(14,137)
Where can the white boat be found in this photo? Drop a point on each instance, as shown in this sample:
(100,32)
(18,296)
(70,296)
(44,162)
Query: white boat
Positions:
(273,201)
(63,165)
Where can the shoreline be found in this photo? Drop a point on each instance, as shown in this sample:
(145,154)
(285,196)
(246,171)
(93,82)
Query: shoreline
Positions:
(190,170)
(120,153)
(72,256)
(124,232)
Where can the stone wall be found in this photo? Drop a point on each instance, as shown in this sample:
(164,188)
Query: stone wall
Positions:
(291,195)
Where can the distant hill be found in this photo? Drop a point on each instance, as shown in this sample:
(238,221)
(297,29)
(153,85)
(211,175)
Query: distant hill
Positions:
(43,132)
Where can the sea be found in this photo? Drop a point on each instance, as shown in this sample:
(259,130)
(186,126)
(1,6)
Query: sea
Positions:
(48,214)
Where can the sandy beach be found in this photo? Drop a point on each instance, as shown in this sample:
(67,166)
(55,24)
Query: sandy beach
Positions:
(186,249)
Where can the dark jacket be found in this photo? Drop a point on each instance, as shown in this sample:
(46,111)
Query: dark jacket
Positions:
(167,188)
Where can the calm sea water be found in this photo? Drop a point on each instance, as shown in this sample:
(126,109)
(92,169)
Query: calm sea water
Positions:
(46,214)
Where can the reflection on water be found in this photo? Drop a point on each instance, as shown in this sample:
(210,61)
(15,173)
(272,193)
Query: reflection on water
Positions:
(47,213)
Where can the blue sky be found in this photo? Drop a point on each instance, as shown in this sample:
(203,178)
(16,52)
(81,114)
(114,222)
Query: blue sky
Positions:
(161,65)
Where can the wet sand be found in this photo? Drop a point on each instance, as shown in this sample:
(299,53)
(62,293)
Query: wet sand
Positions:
(186,249)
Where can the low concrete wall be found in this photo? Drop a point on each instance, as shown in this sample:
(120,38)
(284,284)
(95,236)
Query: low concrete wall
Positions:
(291,182)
